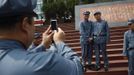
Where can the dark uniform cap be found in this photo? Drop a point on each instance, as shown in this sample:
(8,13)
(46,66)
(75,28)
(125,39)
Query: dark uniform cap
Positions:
(130,21)
(17,7)
(86,13)
(96,13)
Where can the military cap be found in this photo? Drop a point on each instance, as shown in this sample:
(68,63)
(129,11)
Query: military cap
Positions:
(96,13)
(17,7)
(86,13)
(130,21)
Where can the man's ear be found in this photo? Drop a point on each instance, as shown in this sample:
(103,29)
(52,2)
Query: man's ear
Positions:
(25,25)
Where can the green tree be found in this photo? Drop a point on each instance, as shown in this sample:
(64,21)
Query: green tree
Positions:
(70,5)
(53,7)
(87,1)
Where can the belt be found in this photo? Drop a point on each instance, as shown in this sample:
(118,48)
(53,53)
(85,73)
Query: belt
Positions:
(131,49)
(99,35)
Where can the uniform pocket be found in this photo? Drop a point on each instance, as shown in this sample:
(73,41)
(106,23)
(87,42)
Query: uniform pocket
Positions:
(82,40)
(131,38)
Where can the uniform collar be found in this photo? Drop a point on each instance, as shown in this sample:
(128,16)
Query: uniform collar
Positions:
(86,20)
(99,20)
(11,44)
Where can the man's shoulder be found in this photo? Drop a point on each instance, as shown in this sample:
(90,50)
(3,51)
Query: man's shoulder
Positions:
(27,54)
(44,54)
(37,61)
(40,58)
(82,21)
(104,21)
(30,56)
(127,32)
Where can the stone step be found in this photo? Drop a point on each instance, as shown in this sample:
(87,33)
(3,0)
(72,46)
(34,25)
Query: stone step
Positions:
(113,63)
(111,42)
(109,51)
(111,34)
(65,26)
(111,30)
(119,27)
(71,31)
(78,41)
(72,41)
(78,37)
(112,71)
(110,56)
(109,46)
(119,30)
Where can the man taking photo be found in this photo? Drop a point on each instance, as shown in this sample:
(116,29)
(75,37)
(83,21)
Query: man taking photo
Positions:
(16,35)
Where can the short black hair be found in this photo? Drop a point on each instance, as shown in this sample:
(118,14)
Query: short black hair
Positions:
(9,22)
(130,24)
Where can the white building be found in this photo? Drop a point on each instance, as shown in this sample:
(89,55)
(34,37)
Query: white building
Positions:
(40,19)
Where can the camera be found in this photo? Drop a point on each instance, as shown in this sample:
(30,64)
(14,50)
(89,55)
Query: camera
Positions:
(54,24)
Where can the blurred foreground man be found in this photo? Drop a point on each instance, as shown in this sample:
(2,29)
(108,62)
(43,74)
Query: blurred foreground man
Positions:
(37,40)
(86,38)
(16,35)
(128,48)
(101,38)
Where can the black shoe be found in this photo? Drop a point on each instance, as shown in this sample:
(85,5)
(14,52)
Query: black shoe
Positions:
(106,68)
(98,68)
(85,68)
(91,66)
(84,64)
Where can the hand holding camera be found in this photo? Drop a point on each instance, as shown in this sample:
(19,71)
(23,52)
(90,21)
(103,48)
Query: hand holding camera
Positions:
(47,37)
(59,36)
(53,34)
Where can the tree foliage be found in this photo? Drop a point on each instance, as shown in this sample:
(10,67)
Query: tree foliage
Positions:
(53,7)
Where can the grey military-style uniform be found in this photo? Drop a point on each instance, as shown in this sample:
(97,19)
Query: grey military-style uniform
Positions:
(16,60)
(101,37)
(128,49)
(85,34)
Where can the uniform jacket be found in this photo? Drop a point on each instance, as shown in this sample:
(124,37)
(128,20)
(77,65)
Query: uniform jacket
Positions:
(16,60)
(128,42)
(101,32)
(85,31)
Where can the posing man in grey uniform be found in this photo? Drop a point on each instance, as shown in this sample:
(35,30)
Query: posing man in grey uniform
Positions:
(101,38)
(128,47)
(16,35)
(86,38)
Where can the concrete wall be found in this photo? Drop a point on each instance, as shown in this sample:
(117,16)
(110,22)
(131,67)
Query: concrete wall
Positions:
(109,11)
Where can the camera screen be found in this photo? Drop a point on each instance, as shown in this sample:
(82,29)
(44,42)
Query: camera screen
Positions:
(54,24)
